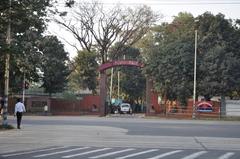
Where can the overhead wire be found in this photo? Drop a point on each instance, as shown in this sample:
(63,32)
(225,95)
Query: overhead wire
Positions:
(168,3)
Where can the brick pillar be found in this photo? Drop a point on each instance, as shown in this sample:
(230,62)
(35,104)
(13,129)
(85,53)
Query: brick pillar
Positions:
(149,87)
(103,93)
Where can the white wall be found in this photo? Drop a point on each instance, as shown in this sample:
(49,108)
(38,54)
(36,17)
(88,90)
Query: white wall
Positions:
(232,107)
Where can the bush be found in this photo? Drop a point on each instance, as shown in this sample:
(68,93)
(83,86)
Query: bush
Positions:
(7,127)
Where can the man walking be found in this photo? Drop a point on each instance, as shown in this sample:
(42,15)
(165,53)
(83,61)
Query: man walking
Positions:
(1,106)
(19,109)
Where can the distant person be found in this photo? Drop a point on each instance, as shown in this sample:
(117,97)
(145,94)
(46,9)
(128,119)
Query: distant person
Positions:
(19,109)
(1,106)
(45,109)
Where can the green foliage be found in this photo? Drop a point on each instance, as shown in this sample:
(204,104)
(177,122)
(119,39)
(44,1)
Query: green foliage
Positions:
(133,83)
(7,127)
(171,60)
(54,65)
(132,80)
(27,24)
(69,96)
(84,75)
(218,55)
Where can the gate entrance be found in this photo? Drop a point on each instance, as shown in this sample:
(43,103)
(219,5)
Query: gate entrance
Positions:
(103,83)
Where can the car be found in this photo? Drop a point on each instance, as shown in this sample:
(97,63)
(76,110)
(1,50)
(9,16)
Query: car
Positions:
(125,108)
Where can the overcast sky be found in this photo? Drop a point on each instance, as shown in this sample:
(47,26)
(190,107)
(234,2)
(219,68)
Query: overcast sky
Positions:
(168,8)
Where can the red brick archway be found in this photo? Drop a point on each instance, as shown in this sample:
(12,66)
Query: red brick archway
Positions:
(103,81)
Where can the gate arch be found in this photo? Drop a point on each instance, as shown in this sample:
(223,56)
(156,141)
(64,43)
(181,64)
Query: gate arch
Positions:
(103,82)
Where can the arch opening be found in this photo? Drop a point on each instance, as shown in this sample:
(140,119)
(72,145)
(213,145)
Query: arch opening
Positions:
(103,83)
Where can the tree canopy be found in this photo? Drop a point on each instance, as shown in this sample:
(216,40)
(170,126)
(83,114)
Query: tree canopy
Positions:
(27,24)
(170,58)
(27,50)
(132,80)
(54,65)
(105,34)
(84,74)
(97,28)
(219,55)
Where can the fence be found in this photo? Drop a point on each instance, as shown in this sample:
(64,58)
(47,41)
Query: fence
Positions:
(173,109)
(91,104)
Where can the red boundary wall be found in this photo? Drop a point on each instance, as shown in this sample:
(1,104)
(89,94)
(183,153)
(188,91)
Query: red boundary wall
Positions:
(174,109)
(89,105)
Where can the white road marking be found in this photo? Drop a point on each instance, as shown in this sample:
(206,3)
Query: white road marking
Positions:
(136,154)
(195,155)
(111,153)
(29,152)
(85,153)
(227,155)
(59,152)
(166,154)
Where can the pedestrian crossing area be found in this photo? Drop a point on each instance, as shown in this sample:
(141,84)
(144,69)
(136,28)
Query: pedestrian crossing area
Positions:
(85,152)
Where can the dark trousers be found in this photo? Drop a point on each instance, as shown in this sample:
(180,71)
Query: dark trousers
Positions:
(19,119)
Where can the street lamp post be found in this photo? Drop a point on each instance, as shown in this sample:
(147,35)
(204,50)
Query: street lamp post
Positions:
(195,77)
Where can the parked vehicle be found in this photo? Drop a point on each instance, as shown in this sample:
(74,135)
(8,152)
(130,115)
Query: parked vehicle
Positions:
(125,108)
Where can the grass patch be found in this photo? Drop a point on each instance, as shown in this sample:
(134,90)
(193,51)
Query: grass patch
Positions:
(7,127)
(230,118)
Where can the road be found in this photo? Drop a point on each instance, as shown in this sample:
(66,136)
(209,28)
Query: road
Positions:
(120,137)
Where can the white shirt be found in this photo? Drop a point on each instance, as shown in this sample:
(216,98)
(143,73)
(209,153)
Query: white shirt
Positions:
(45,108)
(19,107)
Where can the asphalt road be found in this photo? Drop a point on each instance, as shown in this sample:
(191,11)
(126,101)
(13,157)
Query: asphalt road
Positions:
(120,137)
(151,127)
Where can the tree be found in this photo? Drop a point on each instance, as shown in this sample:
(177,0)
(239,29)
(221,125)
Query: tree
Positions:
(170,62)
(54,65)
(133,83)
(170,58)
(132,80)
(219,55)
(27,24)
(97,28)
(84,73)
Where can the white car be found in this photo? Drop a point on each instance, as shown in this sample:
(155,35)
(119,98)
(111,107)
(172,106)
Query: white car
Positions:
(125,108)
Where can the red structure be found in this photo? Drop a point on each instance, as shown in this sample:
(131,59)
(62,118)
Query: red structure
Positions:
(111,64)
(88,105)
(103,79)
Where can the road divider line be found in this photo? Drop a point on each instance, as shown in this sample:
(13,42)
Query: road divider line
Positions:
(85,153)
(111,153)
(59,152)
(166,154)
(136,154)
(227,155)
(195,155)
(29,152)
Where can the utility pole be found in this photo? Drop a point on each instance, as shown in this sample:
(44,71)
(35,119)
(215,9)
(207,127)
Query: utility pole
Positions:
(6,77)
(111,85)
(195,77)
(24,85)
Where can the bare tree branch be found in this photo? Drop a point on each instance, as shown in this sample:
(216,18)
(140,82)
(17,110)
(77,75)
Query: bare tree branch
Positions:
(97,28)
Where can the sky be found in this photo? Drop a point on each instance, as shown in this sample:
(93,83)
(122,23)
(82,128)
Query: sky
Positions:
(168,8)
